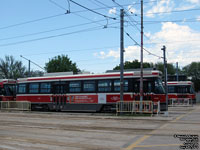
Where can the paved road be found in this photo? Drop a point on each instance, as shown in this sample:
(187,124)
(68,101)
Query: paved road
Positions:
(186,122)
(67,131)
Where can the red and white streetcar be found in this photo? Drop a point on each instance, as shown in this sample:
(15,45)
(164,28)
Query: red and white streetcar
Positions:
(7,89)
(88,92)
(181,90)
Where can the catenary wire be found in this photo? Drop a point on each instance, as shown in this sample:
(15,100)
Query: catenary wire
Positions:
(54,36)
(140,46)
(92,10)
(52,30)
(31,21)
(57,15)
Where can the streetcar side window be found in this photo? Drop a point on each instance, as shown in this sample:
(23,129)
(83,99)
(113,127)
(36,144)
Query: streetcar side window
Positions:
(104,85)
(34,88)
(136,87)
(171,89)
(75,86)
(89,86)
(147,85)
(45,87)
(183,89)
(117,85)
(21,88)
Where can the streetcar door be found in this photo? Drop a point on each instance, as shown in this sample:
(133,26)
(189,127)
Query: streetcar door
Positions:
(59,95)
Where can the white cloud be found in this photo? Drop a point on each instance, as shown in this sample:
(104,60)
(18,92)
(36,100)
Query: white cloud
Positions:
(131,53)
(112,11)
(161,6)
(131,9)
(193,1)
(111,53)
(181,42)
(182,45)
(185,7)
(198,18)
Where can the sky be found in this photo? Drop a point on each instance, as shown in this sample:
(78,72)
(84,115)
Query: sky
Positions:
(88,31)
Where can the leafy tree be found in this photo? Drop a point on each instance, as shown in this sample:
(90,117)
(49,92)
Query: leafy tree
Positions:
(193,70)
(135,64)
(170,68)
(61,63)
(11,68)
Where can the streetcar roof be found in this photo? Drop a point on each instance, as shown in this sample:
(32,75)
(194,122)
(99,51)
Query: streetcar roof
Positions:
(134,74)
(7,81)
(179,83)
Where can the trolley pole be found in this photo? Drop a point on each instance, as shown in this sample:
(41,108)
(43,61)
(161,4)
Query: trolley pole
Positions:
(165,77)
(121,57)
(141,62)
(29,65)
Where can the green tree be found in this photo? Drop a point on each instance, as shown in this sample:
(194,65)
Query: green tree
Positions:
(135,64)
(11,68)
(171,70)
(61,63)
(193,70)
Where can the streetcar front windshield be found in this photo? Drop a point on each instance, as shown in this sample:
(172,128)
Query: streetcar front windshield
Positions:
(1,91)
(159,89)
(10,90)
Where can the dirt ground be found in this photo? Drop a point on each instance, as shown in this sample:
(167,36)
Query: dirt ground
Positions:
(88,131)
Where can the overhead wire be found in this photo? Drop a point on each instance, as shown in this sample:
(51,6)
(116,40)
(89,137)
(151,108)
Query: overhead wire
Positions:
(68,11)
(92,10)
(74,50)
(57,4)
(53,36)
(31,21)
(52,30)
(49,17)
(140,46)
(57,15)
(163,21)
(49,37)
(127,14)
(172,11)
(131,19)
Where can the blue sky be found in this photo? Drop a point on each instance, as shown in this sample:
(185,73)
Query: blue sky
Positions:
(40,30)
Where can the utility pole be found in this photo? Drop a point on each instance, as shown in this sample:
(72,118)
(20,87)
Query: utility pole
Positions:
(177,71)
(141,60)
(165,77)
(29,67)
(121,57)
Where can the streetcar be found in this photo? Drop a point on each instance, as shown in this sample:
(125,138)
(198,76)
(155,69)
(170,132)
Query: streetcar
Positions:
(7,89)
(181,90)
(89,92)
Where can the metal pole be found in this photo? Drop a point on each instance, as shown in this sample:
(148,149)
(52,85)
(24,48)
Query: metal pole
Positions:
(29,68)
(121,56)
(165,76)
(177,71)
(141,62)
